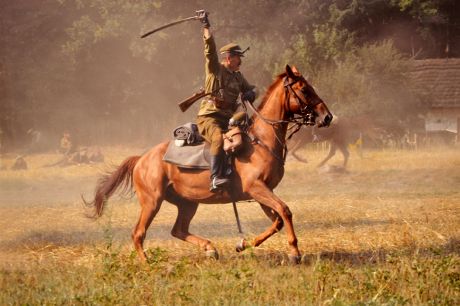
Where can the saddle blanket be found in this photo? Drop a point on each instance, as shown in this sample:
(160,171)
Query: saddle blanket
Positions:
(190,156)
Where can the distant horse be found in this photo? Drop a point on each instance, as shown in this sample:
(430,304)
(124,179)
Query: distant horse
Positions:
(259,167)
(340,134)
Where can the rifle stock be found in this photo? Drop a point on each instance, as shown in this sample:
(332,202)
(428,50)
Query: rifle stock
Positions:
(185,104)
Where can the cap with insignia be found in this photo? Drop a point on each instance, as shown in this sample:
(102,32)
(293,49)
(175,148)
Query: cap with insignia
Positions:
(233,49)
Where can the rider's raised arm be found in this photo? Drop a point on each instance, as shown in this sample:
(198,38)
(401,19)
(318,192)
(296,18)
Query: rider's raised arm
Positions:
(210,53)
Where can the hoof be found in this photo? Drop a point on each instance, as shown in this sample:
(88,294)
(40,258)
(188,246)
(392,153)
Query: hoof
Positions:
(240,245)
(212,254)
(295,259)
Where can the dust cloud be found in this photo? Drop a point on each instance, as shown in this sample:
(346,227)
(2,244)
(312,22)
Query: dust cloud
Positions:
(70,68)
(84,68)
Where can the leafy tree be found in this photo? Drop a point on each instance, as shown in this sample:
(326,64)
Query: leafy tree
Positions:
(371,81)
(31,64)
(422,28)
(81,65)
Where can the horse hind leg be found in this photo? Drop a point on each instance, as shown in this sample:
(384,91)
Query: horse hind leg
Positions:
(185,212)
(150,205)
(346,154)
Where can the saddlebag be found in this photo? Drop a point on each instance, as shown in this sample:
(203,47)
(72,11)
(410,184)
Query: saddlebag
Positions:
(233,140)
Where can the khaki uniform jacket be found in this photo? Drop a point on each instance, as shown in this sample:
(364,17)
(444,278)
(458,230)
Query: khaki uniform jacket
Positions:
(231,84)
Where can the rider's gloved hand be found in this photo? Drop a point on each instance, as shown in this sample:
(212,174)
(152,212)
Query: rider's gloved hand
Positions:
(249,95)
(203,17)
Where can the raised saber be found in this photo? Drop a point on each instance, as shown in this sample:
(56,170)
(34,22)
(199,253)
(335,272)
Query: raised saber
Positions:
(196,17)
(169,25)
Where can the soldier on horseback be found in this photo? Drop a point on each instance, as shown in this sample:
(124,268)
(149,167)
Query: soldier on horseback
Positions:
(225,83)
(258,168)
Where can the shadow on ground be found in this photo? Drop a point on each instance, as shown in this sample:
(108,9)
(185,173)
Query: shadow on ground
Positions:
(361,258)
(39,239)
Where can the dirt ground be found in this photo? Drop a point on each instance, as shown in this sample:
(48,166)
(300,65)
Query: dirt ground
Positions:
(382,201)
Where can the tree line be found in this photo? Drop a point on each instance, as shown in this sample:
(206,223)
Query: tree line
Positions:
(81,66)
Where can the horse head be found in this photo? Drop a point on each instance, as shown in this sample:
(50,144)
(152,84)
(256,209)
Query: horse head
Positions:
(303,100)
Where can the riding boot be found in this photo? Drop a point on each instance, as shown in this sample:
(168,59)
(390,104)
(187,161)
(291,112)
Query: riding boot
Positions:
(217,168)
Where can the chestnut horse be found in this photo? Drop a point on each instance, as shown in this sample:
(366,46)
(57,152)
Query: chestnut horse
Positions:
(259,168)
(340,134)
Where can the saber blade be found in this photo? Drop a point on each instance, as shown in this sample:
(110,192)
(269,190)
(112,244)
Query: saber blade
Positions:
(169,25)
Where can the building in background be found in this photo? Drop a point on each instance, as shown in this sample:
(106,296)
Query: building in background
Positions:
(437,83)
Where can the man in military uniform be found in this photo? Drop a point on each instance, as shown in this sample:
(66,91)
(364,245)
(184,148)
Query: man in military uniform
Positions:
(225,83)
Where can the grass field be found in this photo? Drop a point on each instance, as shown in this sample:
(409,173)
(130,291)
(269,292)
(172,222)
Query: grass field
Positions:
(385,232)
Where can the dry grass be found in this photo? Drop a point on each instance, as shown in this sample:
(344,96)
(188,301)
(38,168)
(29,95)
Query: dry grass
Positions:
(386,231)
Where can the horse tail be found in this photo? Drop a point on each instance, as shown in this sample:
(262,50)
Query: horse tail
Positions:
(109,183)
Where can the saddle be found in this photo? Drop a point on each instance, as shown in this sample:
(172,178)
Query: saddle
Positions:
(190,150)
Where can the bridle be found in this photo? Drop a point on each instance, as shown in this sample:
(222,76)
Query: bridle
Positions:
(307,114)
(306,117)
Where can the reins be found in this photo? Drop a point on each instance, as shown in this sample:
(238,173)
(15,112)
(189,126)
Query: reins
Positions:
(272,123)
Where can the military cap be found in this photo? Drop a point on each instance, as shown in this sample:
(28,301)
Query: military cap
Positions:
(233,49)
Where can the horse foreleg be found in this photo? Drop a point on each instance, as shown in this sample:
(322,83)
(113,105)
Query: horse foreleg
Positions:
(294,149)
(186,211)
(150,205)
(262,194)
(276,226)
(299,158)
(332,151)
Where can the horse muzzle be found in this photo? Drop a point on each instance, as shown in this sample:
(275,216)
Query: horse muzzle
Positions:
(324,116)
(324,121)
(327,120)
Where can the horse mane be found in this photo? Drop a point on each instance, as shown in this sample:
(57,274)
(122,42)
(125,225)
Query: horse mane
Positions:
(270,89)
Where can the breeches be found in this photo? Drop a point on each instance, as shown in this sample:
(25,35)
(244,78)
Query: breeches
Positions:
(211,128)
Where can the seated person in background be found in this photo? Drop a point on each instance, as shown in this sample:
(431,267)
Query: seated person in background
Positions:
(66,145)
(79,157)
(19,163)
(36,141)
(95,155)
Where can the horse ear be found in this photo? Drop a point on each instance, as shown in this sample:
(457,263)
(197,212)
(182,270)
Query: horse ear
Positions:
(292,72)
(289,72)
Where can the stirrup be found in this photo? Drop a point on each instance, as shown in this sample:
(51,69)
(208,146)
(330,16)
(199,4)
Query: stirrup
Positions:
(218,182)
